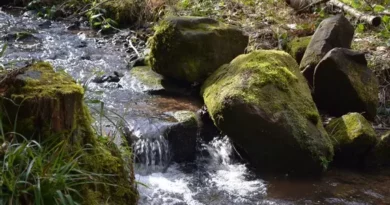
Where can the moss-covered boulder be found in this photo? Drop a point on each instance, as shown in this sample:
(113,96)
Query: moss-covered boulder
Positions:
(343,83)
(262,102)
(48,103)
(47,106)
(191,48)
(297,47)
(352,137)
(335,31)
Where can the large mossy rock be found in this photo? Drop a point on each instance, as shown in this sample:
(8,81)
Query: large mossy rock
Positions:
(262,102)
(297,47)
(48,103)
(335,31)
(191,48)
(352,137)
(343,83)
(47,106)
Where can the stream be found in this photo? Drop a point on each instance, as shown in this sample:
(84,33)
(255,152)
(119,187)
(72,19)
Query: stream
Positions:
(216,176)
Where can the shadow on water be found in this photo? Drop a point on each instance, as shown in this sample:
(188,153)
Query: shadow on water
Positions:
(215,177)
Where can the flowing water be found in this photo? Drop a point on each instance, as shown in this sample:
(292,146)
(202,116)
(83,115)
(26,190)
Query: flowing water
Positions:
(216,176)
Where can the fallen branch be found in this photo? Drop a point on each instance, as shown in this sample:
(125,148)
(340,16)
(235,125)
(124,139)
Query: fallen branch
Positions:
(371,19)
(304,5)
(384,13)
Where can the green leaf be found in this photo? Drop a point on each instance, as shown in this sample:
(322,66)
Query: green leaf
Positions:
(360,28)
(379,8)
(3,50)
(95,16)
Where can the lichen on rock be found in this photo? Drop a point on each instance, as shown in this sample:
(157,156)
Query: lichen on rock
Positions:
(263,103)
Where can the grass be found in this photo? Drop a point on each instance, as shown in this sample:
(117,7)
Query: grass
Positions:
(55,171)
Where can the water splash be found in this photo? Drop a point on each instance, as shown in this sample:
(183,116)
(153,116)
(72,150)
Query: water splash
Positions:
(213,179)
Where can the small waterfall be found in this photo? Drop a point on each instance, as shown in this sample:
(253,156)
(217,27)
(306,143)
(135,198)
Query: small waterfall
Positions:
(220,150)
(152,154)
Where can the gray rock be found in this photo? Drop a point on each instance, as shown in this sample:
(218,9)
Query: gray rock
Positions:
(335,31)
(343,83)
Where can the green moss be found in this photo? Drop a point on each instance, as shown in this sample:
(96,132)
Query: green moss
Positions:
(367,88)
(353,138)
(188,118)
(191,48)
(119,187)
(147,77)
(297,47)
(50,83)
(270,81)
(346,129)
(257,70)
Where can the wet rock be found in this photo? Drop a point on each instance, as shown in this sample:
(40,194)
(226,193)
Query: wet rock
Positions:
(191,48)
(154,83)
(207,130)
(380,154)
(139,62)
(182,136)
(343,83)
(45,24)
(352,137)
(81,44)
(335,31)
(114,77)
(74,26)
(297,47)
(262,102)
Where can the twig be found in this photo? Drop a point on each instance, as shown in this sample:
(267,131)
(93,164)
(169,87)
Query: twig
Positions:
(135,49)
(311,4)
(383,13)
(86,11)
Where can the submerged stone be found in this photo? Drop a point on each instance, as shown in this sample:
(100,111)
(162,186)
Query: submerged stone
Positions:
(262,102)
(335,31)
(191,48)
(343,83)
(352,137)
(151,82)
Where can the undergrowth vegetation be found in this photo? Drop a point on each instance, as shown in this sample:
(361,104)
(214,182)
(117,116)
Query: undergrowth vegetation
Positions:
(55,170)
